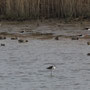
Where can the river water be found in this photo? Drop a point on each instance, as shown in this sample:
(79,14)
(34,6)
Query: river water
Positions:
(23,65)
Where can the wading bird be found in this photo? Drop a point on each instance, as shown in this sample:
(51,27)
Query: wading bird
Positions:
(51,68)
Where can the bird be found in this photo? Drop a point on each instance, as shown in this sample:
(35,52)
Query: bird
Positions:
(88,43)
(87,28)
(1,37)
(75,38)
(14,38)
(22,31)
(57,38)
(51,68)
(80,35)
(20,41)
(88,54)
(2,44)
(26,41)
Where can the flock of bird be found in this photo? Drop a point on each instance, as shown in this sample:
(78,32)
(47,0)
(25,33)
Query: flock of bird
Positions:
(52,67)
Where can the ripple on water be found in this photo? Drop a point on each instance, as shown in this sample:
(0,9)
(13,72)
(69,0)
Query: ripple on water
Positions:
(23,66)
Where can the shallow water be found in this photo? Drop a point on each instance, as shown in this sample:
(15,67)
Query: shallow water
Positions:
(23,65)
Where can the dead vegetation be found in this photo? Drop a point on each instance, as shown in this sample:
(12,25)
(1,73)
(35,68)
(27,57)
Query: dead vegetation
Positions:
(42,9)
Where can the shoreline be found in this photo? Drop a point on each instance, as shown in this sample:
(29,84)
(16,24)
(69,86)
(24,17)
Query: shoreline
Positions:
(46,29)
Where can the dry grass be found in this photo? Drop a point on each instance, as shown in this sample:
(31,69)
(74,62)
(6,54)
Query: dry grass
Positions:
(27,9)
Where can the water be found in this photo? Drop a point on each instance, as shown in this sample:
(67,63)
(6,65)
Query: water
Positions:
(23,65)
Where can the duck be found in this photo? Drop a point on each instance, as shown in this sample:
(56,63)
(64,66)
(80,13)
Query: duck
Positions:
(2,44)
(57,38)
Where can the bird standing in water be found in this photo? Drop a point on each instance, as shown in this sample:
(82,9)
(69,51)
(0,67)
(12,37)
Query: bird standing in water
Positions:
(51,68)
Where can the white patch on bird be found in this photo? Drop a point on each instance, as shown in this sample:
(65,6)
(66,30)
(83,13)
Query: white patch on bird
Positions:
(88,29)
(54,67)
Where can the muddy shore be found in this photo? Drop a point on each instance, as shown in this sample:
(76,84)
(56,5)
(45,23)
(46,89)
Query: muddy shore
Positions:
(45,29)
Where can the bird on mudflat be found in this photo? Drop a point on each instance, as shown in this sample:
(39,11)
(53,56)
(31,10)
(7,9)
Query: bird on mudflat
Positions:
(87,28)
(57,38)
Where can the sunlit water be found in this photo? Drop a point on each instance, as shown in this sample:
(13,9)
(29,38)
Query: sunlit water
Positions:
(23,65)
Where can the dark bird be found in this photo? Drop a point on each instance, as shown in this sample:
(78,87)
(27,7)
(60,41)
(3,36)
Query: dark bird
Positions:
(14,38)
(88,54)
(22,31)
(87,28)
(1,38)
(20,41)
(26,41)
(4,37)
(51,68)
(80,35)
(88,43)
(75,38)
(57,38)
(2,44)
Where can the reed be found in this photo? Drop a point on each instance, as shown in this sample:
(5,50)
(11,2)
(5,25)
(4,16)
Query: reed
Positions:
(36,9)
